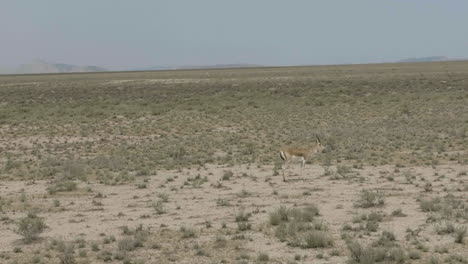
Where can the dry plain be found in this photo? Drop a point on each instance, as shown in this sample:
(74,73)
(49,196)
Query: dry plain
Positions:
(183,166)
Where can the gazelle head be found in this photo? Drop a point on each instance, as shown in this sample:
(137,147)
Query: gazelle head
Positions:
(319,147)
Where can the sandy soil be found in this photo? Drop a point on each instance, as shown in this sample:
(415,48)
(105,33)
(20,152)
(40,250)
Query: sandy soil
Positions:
(97,209)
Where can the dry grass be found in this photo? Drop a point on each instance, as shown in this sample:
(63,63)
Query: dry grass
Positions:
(182,166)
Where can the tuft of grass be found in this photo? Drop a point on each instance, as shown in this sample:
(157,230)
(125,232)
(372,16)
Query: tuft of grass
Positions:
(188,232)
(386,239)
(127,244)
(68,255)
(159,207)
(432,205)
(95,247)
(164,197)
(141,185)
(299,228)
(30,227)
(460,234)
(279,215)
(343,170)
(17,250)
(317,239)
(370,199)
(62,186)
(243,226)
(56,203)
(398,213)
(263,257)
(447,207)
(222,202)
(447,228)
(227,175)
(242,216)
(413,254)
(375,254)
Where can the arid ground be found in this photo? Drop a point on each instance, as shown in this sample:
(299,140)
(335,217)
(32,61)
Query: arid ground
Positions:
(183,166)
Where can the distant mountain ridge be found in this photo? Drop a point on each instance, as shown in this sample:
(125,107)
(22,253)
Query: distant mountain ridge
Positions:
(187,67)
(41,66)
(427,59)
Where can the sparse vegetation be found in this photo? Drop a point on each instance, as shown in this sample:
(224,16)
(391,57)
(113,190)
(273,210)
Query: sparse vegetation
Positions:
(194,153)
(159,207)
(188,232)
(227,175)
(299,228)
(460,234)
(398,213)
(370,199)
(384,250)
(62,186)
(30,227)
(263,257)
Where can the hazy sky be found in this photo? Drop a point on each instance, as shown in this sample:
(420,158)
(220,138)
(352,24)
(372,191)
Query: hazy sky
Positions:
(123,34)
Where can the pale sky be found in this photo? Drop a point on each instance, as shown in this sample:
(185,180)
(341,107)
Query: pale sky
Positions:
(124,34)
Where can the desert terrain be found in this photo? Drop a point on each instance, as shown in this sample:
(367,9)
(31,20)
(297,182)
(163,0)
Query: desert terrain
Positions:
(183,166)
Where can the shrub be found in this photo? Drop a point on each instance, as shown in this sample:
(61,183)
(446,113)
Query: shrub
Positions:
(164,197)
(298,227)
(398,213)
(67,256)
(263,257)
(62,186)
(460,233)
(127,244)
(30,227)
(317,239)
(243,226)
(448,228)
(279,215)
(432,205)
(159,207)
(74,170)
(242,216)
(370,199)
(227,175)
(375,254)
(188,232)
(386,239)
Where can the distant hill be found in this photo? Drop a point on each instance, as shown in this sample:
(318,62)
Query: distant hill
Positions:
(426,59)
(186,67)
(40,66)
(4,70)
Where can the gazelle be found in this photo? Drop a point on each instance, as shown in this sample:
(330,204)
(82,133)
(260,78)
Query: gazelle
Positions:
(290,154)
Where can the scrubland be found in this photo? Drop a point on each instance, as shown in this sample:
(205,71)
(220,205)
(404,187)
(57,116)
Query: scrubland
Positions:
(183,166)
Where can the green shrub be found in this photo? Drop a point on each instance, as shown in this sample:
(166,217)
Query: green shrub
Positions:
(67,256)
(188,232)
(159,207)
(460,233)
(227,175)
(317,239)
(370,199)
(432,205)
(127,244)
(242,216)
(30,227)
(263,257)
(62,186)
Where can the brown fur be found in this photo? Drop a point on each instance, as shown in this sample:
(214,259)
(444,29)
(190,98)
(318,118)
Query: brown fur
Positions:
(289,153)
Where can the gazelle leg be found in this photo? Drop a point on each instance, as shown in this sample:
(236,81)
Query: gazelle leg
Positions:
(302,167)
(285,164)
